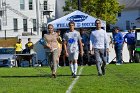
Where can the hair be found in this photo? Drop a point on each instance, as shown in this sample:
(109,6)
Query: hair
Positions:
(116,28)
(71,22)
(29,39)
(97,20)
(19,40)
(50,25)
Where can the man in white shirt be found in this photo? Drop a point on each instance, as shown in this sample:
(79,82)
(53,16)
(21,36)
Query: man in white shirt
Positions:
(98,40)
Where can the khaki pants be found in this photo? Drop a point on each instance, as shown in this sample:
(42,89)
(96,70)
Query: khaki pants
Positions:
(52,59)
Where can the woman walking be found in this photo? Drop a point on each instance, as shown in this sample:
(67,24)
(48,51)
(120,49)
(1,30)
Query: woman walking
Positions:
(51,47)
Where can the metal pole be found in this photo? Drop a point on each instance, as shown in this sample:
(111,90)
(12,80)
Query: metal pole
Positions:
(37,17)
(31,31)
(79,5)
(5,34)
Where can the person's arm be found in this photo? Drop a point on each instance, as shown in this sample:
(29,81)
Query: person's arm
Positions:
(46,45)
(80,43)
(106,42)
(65,45)
(91,43)
(31,47)
(60,42)
(81,47)
(59,39)
(65,48)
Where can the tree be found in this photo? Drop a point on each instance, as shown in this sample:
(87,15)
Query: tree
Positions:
(104,9)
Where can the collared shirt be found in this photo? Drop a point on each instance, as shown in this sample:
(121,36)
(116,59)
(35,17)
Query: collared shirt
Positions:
(118,38)
(98,39)
(130,38)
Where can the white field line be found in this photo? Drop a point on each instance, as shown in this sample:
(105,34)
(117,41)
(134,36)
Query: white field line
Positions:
(74,81)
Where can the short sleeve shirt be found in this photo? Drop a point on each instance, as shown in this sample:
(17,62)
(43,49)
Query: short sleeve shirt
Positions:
(18,47)
(72,39)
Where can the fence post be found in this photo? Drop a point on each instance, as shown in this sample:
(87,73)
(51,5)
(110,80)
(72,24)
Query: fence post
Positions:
(5,34)
(31,31)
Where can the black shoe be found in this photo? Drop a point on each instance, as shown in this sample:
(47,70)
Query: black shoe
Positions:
(129,61)
(74,76)
(53,75)
(103,70)
(99,74)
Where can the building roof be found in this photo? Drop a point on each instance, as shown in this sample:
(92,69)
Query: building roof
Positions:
(130,3)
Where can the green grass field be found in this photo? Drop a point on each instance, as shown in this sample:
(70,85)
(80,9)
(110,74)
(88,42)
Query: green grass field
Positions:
(118,79)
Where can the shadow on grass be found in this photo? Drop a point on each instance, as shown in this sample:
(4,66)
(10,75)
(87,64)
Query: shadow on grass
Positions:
(77,75)
(43,76)
(39,76)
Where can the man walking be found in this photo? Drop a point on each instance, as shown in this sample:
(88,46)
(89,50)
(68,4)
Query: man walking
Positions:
(83,60)
(71,40)
(118,44)
(129,38)
(98,40)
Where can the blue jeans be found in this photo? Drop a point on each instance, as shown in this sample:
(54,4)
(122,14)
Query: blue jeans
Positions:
(118,51)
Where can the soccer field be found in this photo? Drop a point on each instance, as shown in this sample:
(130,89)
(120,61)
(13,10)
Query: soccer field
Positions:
(118,79)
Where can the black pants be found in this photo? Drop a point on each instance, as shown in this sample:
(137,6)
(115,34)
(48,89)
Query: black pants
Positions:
(18,58)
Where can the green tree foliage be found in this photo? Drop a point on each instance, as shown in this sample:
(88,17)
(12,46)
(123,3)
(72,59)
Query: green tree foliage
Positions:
(104,9)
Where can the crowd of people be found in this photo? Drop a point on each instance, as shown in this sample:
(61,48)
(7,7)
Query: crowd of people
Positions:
(78,45)
(75,44)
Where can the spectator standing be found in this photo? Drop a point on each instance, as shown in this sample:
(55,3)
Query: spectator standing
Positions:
(18,50)
(118,44)
(18,47)
(51,47)
(98,40)
(29,45)
(85,43)
(71,40)
(129,38)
